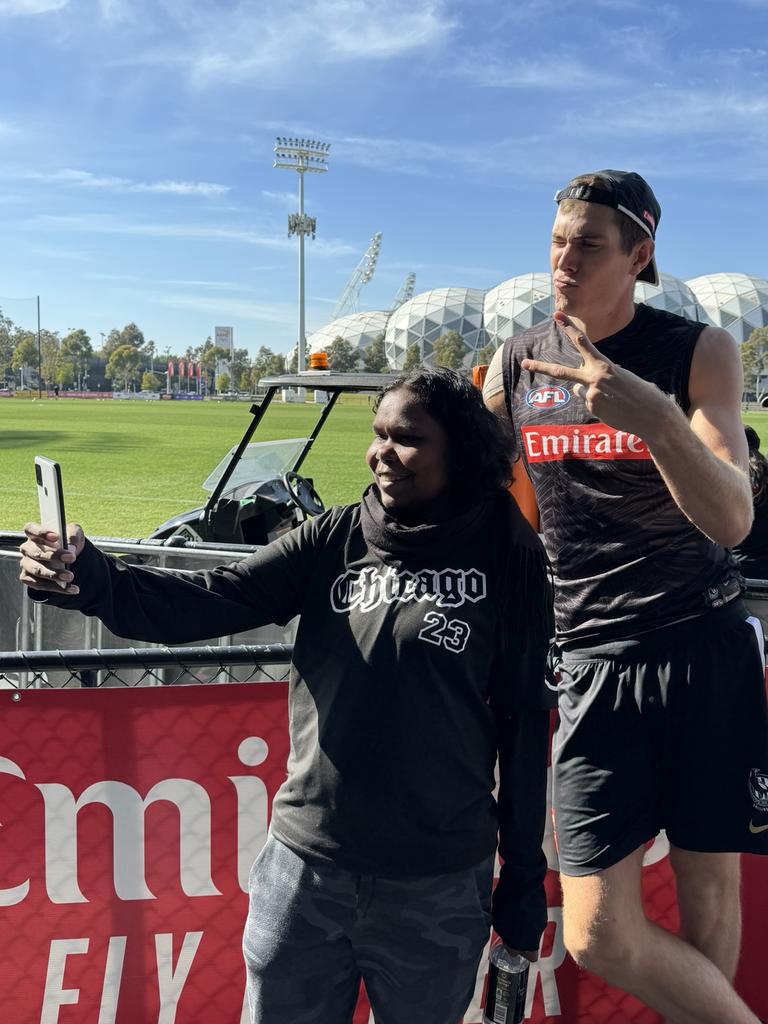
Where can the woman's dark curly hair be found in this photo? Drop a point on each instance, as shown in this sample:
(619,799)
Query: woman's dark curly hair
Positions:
(480,446)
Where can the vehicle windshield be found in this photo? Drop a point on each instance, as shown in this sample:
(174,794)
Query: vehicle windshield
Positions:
(261,461)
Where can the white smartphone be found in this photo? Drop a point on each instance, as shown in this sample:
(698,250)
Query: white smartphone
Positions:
(50,497)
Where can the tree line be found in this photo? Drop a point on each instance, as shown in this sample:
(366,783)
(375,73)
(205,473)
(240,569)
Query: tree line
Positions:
(754,359)
(449,350)
(125,359)
(128,360)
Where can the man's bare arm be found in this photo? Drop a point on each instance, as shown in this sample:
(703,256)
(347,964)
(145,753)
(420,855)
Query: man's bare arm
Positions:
(493,388)
(704,459)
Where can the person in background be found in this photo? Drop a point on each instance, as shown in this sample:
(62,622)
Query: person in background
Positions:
(419,658)
(752,552)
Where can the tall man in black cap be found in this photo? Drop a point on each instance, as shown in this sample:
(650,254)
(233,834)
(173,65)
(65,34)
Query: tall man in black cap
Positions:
(627,424)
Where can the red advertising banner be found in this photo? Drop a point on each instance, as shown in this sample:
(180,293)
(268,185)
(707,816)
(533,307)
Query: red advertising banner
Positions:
(130,819)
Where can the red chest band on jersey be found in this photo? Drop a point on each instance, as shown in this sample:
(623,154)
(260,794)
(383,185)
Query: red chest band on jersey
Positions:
(586,441)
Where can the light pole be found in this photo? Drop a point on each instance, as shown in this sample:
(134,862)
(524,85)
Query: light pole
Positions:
(302,156)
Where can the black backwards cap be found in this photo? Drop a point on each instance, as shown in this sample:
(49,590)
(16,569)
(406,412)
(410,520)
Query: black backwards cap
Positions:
(629,194)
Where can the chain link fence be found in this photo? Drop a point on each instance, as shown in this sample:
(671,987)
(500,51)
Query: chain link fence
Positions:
(52,648)
(131,667)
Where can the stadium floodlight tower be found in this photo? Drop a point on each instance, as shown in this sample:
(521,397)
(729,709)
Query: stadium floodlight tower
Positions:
(303,156)
(361,275)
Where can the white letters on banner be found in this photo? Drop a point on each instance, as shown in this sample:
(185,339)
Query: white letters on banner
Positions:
(170,980)
(128,809)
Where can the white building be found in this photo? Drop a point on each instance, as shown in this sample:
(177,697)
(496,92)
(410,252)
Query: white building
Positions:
(430,315)
(737,302)
(359,329)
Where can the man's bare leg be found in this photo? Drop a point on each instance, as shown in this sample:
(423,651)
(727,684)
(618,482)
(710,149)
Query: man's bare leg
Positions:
(709,901)
(709,898)
(607,932)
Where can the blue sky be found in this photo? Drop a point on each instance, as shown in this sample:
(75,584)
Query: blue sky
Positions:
(136,137)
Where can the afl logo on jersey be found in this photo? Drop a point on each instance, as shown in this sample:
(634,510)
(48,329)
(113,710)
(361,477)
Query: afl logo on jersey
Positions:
(551,396)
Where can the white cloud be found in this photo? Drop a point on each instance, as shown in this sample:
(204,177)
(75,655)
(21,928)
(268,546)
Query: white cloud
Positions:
(680,112)
(287,200)
(553,73)
(115,10)
(274,40)
(265,312)
(182,188)
(99,225)
(85,179)
(19,8)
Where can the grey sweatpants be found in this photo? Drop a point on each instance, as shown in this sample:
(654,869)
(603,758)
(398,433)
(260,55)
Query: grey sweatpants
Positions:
(314,930)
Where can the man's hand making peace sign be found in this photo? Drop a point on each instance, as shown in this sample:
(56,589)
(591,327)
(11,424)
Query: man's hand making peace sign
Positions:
(614,395)
(702,454)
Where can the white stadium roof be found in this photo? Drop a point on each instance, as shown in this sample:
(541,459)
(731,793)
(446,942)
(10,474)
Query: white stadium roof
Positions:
(737,302)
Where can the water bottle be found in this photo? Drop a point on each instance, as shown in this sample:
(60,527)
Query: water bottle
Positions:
(507,986)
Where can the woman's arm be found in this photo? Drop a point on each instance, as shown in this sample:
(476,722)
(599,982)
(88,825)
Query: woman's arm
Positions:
(172,606)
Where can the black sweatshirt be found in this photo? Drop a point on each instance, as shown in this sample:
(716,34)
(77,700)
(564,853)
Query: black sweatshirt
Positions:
(419,655)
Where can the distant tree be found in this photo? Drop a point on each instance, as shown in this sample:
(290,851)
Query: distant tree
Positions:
(6,345)
(266,363)
(754,357)
(412,358)
(374,357)
(210,357)
(449,351)
(150,381)
(245,381)
(484,355)
(65,373)
(50,350)
(239,363)
(112,341)
(76,347)
(24,352)
(132,335)
(96,375)
(342,355)
(222,382)
(123,365)
(292,362)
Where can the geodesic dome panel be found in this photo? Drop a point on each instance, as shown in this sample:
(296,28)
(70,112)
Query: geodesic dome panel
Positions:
(359,329)
(428,316)
(737,302)
(672,295)
(517,304)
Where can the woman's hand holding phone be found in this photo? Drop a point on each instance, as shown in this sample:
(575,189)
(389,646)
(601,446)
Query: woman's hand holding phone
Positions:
(45,564)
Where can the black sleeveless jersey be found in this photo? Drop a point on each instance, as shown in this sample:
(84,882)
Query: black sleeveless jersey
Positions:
(625,558)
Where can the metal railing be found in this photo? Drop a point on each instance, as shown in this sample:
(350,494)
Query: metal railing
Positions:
(34,627)
(151,666)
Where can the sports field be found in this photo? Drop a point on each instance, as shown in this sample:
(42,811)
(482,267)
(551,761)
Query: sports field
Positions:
(129,466)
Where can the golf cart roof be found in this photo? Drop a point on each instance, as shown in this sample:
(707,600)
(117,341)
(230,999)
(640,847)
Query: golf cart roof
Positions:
(338,382)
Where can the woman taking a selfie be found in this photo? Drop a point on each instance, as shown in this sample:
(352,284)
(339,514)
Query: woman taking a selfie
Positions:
(419,658)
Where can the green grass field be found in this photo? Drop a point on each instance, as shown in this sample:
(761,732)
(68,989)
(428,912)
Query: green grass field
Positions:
(129,466)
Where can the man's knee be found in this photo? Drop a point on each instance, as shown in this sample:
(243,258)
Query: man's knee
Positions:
(603,946)
(603,919)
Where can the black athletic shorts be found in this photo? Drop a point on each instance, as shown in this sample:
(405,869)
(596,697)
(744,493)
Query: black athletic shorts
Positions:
(668,731)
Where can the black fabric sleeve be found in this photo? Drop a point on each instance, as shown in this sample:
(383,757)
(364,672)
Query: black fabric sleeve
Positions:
(519,900)
(521,702)
(178,606)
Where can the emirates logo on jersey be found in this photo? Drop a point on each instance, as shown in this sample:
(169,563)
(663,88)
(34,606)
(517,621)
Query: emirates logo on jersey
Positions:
(586,441)
(551,396)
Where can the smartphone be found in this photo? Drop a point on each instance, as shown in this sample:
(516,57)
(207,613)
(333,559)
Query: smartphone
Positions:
(50,497)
